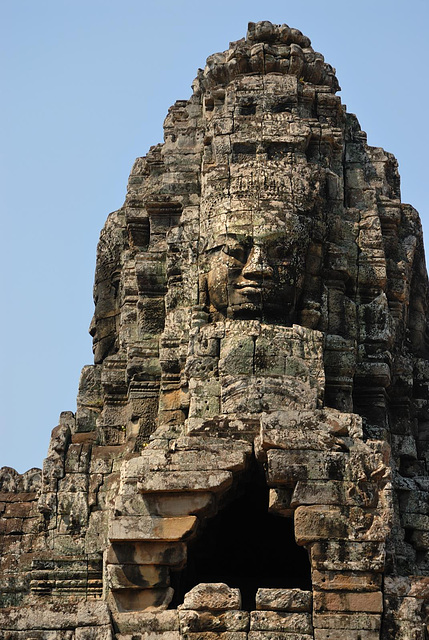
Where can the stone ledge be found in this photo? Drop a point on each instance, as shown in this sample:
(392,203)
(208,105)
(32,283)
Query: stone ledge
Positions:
(145,528)
(55,616)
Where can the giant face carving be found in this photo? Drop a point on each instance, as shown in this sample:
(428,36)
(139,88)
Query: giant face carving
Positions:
(104,324)
(103,327)
(261,206)
(255,273)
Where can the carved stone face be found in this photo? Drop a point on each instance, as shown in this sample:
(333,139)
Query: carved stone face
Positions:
(262,199)
(257,274)
(104,324)
(103,327)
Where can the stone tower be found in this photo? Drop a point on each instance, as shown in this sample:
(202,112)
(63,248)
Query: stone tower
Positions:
(249,455)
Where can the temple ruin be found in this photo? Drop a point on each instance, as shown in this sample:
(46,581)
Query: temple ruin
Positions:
(249,455)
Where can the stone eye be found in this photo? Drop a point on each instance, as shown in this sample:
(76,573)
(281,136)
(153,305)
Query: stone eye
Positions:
(236,251)
(279,253)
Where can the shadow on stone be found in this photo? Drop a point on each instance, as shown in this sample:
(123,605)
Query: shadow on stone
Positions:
(244,546)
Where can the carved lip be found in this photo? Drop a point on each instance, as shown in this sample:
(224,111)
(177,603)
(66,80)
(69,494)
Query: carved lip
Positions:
(251,288)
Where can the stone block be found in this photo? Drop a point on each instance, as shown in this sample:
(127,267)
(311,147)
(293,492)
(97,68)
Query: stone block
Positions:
(207,460)
(317,492)
(414,502)
(146,528)
(150,635)
(216,445)
(354,602)
(403,445)
(280,621)
(165,505)
(203,407)
(18,497)
(66,615)
(102,458)
(142,621)
(317,430)
(94,633)
(293,600)
(346,580)
(236,355)
(17,510)
(405,631)
(77,459)
(73,482)
(288,467)
(253,394)
(185,481)
(419,587)
(280,502)
(142,599)
(349,634)
(420,540)
(215,635)
(355,621)
(236,427)
(398,586)
(96,534)
(38,635)
(151,459)
(191,621)
(278,635)
(415,521)
(298,439)
(409,608)
(134,576)
(146,553)
(215,596)
(68,544)
(344,555)
(320,523)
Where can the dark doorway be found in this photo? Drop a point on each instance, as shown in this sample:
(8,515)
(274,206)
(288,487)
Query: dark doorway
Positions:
(245,547)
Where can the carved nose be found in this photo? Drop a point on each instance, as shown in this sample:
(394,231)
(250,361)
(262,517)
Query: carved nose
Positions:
(92,327)
(257,265)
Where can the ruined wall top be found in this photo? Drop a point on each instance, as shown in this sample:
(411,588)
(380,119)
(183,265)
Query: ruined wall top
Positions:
(268,48)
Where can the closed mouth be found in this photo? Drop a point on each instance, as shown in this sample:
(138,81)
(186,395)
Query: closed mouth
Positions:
(249,287)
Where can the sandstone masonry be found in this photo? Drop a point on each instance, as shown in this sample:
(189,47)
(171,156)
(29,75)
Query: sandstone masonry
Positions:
(249,455)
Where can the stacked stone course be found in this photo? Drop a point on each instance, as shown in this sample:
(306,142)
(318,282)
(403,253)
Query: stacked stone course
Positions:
(261,325)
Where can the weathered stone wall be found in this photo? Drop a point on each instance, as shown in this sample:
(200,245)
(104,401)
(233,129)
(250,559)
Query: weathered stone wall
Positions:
(260,331)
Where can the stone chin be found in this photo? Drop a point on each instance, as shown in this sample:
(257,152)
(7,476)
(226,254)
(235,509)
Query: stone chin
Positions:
(103,332)
(271,313)
(103,348)
(266,302)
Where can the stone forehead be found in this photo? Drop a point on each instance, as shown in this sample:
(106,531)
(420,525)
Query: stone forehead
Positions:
(262,195)
(260,227)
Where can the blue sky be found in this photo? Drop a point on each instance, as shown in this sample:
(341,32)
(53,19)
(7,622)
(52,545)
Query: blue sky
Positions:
(86,85)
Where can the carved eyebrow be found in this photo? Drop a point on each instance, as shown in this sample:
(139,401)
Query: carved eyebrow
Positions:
(239,237)
(278,235)
(225,238)
(242,238)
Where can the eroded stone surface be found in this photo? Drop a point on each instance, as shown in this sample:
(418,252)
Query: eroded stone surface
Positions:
(212,597)
(284,600)
(261,320)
